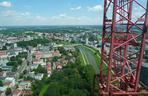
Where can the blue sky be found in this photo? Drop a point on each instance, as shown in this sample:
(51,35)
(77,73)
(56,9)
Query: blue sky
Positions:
(51,12)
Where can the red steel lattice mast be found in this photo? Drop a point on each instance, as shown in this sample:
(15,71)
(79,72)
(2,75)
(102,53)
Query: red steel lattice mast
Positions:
(123,39)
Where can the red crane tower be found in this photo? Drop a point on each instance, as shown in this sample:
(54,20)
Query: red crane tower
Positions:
(125,26)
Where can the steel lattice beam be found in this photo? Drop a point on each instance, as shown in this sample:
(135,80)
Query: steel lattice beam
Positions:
(118,36)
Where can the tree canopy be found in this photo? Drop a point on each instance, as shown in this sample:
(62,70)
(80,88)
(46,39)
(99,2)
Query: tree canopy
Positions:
(33,42)
(8,92)
(72,80)
(1,83)
(40,69)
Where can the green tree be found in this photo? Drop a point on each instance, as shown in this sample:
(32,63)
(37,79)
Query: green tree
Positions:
(22,55)
(53,89)
(28,78)
(76,92)
(1,69)
(73,80)
(62,51)
(4,48)
(13,58)
(25,72)
(1,83)
(12,63)
(36,87)
(19,61)
(55,59)
(8,92)
(40,69)
(33,43)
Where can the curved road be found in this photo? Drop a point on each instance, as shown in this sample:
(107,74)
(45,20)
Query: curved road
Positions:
(89,57)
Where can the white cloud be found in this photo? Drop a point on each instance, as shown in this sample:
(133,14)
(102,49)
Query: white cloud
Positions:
(12,17)
(8,13)
(5,4)
(76,8)
(40,18)
(25,14)
(95,8)
(138,12)
(64,19)
(62,15)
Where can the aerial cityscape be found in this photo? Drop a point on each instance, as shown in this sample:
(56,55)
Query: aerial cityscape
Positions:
(73,48)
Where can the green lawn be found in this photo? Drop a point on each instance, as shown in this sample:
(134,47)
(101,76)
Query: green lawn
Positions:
(82,58)
(98,58)
(44,90)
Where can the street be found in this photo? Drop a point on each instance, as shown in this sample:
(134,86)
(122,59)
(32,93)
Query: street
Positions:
(21,69)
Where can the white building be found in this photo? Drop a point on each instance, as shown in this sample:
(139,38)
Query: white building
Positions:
(39,76)
(24,85)
(9,82)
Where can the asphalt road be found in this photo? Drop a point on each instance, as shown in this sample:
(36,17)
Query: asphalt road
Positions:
(89,57)
(21,69)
